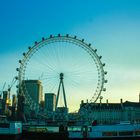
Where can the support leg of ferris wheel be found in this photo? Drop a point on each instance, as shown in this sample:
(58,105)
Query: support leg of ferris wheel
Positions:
(58,93)
(65,111)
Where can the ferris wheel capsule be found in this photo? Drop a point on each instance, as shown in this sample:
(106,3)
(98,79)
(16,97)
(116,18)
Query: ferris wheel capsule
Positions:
(36,42)
(51,36)
(105,72)
(20,61)
(43,38)
(29,48)
(104,89)
(89,44)
(101,97)
(103,64)
(95,50)
(100,57)
(24,54)
(16,77)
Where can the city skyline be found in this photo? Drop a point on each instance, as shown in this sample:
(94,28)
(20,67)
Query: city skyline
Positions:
(112,27)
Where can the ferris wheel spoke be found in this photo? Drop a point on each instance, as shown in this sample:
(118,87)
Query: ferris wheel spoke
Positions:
(45,63)
(48,77)
(50,87)
(37,71)
(38,66)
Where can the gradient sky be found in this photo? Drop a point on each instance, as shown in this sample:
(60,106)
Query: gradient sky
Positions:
(111,26)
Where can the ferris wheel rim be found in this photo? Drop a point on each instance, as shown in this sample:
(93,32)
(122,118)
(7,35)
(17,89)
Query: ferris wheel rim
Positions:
(81,43)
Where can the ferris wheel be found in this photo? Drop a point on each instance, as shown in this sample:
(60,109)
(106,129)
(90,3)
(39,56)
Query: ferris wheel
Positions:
(49,59)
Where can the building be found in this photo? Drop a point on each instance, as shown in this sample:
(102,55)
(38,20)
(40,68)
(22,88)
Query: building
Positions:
(0,105)
(34,89)
(131,111)
(14,100)
(5,102)
(110,112)
(13,107)
(61,114)
(50,102)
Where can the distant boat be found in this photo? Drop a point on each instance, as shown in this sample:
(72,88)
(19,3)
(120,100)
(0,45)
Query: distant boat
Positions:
(114,131)
(123,130)
(10,130)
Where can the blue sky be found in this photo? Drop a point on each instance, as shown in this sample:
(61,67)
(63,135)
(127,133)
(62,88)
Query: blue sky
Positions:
(111,26)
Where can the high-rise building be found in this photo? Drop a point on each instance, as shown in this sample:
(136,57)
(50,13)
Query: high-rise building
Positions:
(13,107)
(5,101)
(0,105)
(34,88)
(14,100)
(50,102)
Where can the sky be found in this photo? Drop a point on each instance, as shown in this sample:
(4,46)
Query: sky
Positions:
(111,26)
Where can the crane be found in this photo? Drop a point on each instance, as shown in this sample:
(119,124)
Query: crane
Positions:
(10,86)
(8,90)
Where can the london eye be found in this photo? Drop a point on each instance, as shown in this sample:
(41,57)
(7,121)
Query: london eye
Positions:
(63,57)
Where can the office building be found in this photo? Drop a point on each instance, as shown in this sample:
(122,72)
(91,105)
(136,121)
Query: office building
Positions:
(34,89)
(5,101)
(14,100)
(50,102)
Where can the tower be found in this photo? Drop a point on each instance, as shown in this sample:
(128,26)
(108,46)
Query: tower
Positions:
(61,113)
(61,84)
(50,102)
(5,101)
(34,89)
